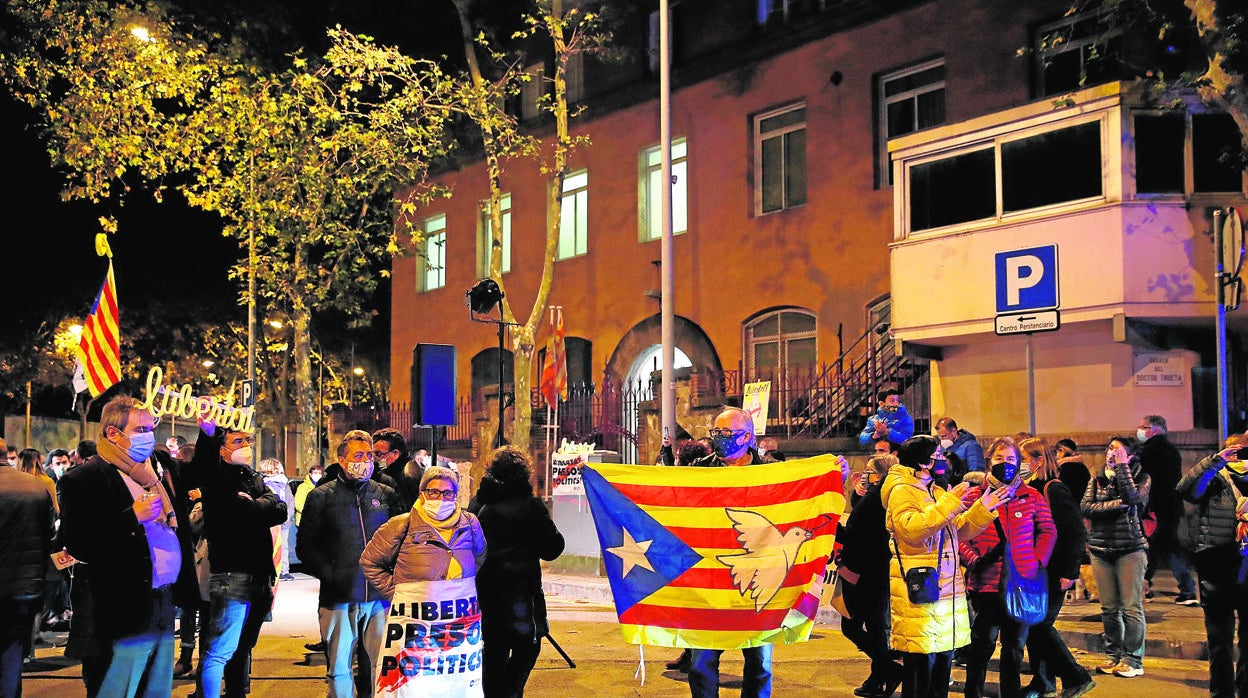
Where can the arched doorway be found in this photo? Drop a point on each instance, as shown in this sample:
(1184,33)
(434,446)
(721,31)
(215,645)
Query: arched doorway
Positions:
(638,386)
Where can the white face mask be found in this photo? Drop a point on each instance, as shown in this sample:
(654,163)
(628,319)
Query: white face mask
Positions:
(946,443)
(439,509)
(1141,435)
(314,478)
(242,456)
(59,470)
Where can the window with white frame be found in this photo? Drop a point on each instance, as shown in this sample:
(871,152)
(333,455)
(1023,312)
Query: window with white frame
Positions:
(652,190)
(486,242)
(434,249)
(1077,51)
(780,159)
(532,90)
(1186,153)
(781,343)
(909,100)
(574,215)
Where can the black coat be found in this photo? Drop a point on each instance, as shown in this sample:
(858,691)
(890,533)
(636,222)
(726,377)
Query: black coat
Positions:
(1072,536)
(1164,466)
(99,527)
(518,533)
(237,528)
(26,519)
(338,521)
(864,542)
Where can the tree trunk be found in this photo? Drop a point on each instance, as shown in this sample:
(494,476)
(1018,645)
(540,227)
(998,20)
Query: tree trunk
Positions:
(304,391)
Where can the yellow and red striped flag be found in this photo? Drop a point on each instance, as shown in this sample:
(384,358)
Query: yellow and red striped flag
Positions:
(100,346)
(716,558)
(554,382)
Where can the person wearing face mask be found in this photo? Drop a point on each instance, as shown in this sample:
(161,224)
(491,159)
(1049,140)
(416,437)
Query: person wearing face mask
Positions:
(960,443)
(1216,490)
(238,511)
(118,517)
(891,420)
(927,523)
(1161,461)
(58,463)
(11,452)
(1114,504)
(1024,519)
(338,520)
(391,456)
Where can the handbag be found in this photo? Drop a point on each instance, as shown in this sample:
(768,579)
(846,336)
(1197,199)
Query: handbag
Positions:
(1026,599)
(922,583)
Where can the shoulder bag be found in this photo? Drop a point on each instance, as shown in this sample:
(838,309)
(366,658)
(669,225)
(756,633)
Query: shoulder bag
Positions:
(922,583)
(1026,599)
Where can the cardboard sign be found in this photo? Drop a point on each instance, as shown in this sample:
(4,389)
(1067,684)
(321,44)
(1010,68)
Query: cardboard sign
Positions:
(755,399)
(565,467)
(432,646)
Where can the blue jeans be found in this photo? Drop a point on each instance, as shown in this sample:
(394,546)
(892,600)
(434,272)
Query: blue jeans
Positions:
(991,621)
(755,678)
(1121,585)
(344,626)
(239,602)
(142,664)
(15,620)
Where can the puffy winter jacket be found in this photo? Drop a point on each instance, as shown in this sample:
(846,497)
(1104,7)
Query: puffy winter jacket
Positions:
(338,521)
(1072,535)
(26,519)
(1210,521)
(966,447)
(406,549)
(927,524)
(1029,527)
(1113,509)
(900,425)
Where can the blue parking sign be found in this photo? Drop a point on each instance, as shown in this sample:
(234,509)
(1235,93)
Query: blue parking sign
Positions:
(1027,279)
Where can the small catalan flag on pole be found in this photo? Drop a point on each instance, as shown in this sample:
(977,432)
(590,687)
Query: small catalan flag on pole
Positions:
(100,346)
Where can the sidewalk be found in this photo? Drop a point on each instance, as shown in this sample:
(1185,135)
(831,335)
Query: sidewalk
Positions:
(1173,631)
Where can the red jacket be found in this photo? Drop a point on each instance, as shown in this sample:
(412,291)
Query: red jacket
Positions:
(1032,535)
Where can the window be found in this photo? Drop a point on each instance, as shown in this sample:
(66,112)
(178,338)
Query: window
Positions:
(434,253)
(574,78)
(574,215)
(1045,167)
(783,11)
(532,91)
(652,190)
(486,241)
(780,159)
(781,342)
(909,100)
(1178,153)
(1078,51)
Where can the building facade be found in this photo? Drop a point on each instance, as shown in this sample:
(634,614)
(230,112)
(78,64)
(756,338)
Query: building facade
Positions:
(800,136)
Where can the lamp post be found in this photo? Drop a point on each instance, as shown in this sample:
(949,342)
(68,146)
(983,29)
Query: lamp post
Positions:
(481,299)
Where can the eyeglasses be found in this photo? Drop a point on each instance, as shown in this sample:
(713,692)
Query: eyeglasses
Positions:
(439,494)
(726,433)
(239,441)
(382,454)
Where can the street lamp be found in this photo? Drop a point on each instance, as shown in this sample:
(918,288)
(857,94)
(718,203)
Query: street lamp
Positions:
(481,299)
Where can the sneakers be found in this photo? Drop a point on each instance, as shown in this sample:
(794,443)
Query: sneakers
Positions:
(1108,667)
(1128,672)
(315,646)
(288,577)
(1187,600)
(1076,691)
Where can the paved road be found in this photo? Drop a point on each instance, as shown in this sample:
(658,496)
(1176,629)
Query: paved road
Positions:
(828,665)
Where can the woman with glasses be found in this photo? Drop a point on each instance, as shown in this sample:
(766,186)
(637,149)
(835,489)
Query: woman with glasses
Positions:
(520,534)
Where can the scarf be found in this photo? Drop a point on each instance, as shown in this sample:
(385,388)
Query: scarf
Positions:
(445,529)
(141,473)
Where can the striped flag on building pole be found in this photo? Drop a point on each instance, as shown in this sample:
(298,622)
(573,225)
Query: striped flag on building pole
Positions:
(554,381)
(100,346)
(717,558)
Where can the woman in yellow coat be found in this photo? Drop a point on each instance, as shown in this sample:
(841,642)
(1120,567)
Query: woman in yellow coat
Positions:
(926,522)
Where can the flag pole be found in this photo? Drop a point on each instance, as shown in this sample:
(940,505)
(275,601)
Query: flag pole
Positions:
(666,300)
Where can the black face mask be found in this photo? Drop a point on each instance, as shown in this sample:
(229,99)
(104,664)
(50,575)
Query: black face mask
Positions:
(1004,472)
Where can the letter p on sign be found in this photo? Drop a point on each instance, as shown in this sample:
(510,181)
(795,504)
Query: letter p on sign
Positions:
(1027,279)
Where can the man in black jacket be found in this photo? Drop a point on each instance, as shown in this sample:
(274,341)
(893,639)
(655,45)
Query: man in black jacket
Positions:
(391,458)
(26,519)
(118,517)
(1161,460)
(238,511)
(338,521)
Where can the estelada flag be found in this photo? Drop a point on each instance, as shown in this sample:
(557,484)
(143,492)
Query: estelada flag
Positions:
(99,348)
(716,558)
(554,382)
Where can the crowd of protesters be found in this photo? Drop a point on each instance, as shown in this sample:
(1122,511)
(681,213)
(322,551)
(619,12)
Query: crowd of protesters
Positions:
(940,532)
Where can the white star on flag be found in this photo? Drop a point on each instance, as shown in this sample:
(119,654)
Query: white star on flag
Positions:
(632,553)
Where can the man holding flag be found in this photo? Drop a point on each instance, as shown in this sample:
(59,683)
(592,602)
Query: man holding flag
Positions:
(718,559)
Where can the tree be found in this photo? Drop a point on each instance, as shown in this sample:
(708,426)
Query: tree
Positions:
(570,32)
(302,161)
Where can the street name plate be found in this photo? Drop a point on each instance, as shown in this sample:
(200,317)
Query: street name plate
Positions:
(1022,323)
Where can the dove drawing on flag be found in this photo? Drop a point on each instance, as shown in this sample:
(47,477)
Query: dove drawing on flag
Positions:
(768,555)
